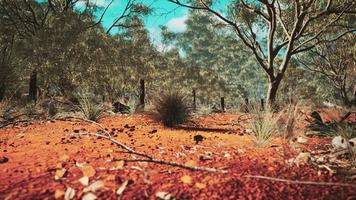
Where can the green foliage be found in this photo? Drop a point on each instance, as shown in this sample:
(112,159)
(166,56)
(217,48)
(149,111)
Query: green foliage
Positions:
(264,126)
(88,108)
(344,130)
(172,109)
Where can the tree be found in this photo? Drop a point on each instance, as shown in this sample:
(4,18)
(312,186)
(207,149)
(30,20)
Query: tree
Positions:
(276,30)
(335,61)
(51,38)
(215,64)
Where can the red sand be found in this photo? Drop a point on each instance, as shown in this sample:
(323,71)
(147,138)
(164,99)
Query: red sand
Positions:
(37,150)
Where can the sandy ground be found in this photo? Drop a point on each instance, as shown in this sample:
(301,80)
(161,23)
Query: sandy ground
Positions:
(40,151)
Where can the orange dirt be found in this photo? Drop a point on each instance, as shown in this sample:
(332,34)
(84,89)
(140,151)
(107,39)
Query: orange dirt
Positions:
(36,151)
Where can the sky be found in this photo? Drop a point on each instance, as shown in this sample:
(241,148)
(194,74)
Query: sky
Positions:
(163,13)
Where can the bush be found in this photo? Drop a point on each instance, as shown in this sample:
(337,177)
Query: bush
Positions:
(172,109)
(264,126)
(288,119)
(347,132)
(88,108)
(5,109)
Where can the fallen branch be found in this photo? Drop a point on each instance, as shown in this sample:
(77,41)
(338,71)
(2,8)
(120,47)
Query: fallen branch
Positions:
(149,158)
(175,164)
(300,182)
(15,122)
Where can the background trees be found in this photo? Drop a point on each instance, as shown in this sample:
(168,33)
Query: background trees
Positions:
(64,44)
(276,30)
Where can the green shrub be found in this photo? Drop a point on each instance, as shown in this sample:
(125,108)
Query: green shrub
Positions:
(347,131)
(172,109)
(88,108)
(264,126)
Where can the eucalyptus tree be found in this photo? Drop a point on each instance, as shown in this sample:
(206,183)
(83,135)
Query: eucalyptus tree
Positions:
(335,61)
(52,36)
(276,30)
(215,64)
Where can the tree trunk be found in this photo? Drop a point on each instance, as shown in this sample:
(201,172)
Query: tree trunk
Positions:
(345,98)
(194,100)
(222,103)
(354,96)
(2,90)
(273,84)
(32,92)
(142,93)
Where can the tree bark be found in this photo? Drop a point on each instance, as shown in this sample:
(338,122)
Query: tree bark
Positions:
(142,93)
(194,100)
(2,90)
(354,96)
(273,84)
(222,102)
(32,92)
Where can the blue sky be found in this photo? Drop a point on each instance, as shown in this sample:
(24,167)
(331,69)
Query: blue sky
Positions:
(164,13)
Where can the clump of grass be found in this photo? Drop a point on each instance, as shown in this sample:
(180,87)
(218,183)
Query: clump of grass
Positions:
(172,109)
(264,125)
(287,125)
(347,131)
(30,110)
(88,108)
(131,102)
(203,110)
(5,108)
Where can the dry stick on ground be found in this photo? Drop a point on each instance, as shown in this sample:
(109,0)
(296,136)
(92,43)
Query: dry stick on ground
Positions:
(300,182)
(15,122)
(149,158)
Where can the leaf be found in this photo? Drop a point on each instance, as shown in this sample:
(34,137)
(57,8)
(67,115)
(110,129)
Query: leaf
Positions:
(84,180)
(88,170)
(164,196)
(89,196)
(64,157)
(119,165)
(94,186)
(200,185)
(58,194)
(192,163)
(186,179)
(70,193)
(122,188)
(60,173)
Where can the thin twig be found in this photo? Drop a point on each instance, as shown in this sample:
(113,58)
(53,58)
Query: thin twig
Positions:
(176,164)
(149,158)
(14,123)
(300,182)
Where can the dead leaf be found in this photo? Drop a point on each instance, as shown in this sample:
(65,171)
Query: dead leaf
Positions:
(122,188)
(89,196)
(70,193)
(64,157)
(192,163)
(58,194)
(200,185)
(84,180)
(164,196)
(88,170)
(60,173)
(59,166)
(119,164)
(186,179)
(94,186)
